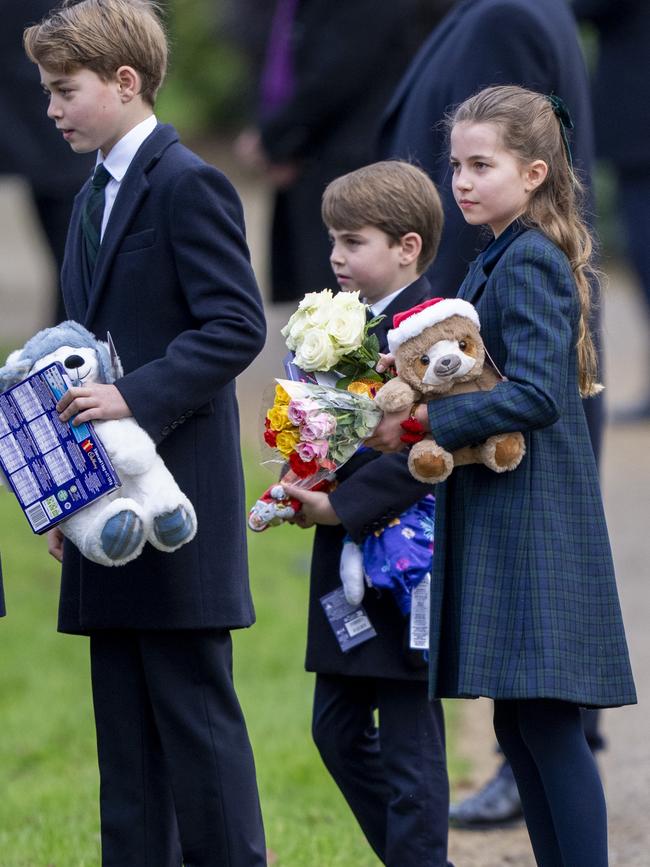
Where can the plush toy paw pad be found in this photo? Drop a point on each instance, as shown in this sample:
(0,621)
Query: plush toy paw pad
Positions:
(173,528)
(122,534)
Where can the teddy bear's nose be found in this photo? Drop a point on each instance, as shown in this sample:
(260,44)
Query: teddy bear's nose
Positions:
(72,362)
(447,365)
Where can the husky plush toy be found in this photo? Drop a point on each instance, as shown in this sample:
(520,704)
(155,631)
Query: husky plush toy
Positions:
(149,506)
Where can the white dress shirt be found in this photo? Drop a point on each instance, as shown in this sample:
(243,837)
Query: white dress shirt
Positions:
(118,161)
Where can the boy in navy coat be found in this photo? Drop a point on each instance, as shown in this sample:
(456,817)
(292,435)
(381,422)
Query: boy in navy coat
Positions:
(168,273)
(384,222)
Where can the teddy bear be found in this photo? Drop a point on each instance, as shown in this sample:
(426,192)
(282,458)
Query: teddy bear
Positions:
(149,506)
(439,351)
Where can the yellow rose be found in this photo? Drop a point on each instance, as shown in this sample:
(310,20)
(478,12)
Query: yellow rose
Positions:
(286,441)
(279,418)
(281,396)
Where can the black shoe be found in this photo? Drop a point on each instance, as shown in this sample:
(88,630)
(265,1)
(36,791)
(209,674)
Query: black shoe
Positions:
(496,805)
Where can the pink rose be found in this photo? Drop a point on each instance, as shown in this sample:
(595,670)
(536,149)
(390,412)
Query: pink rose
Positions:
(310,451)
(318,427)
(300,409)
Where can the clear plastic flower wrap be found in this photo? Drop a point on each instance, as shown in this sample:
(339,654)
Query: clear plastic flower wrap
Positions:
(313,430)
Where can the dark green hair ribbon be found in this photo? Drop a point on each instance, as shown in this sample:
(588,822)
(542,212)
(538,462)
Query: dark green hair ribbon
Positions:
(562,114)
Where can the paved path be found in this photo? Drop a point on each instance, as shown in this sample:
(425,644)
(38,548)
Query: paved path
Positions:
(25,302)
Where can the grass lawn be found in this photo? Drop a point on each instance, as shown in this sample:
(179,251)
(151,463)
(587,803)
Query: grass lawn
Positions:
(48,770)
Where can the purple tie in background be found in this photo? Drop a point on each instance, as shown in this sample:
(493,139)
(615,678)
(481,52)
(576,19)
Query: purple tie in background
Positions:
(277,76)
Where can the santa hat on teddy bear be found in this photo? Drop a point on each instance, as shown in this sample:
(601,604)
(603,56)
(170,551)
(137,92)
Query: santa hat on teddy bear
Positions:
(412,322)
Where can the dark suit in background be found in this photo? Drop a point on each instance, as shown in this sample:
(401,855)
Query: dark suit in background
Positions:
(30,146)
(346,60)
(621,97)
(174,286)
(394,779)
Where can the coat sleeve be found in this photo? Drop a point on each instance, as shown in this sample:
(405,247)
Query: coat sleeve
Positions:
(377,492)
(537,309)
(217,282)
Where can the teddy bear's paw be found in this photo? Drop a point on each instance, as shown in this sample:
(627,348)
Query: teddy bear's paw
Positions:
(122,537)
(429,463)
(173,529)
(352,573)
(503,452)
(394,396)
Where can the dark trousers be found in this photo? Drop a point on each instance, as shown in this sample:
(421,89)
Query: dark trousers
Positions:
(393,775)
(558,781)
(177,779)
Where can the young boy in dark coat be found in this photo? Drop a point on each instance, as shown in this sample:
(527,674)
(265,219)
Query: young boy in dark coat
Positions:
(167,271)
(384,222)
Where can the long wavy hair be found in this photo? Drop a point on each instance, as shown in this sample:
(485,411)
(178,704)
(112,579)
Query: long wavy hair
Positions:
(531,130)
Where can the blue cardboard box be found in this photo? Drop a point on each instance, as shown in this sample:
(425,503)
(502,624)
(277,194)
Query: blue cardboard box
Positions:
(53,468)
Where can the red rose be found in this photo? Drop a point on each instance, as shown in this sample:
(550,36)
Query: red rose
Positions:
(270,437)
(302,468)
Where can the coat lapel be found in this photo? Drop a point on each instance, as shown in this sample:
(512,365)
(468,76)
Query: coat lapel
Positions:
(479,271)
(413,294)
(133,190)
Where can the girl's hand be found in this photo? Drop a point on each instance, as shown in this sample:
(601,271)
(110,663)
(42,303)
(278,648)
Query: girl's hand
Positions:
(55,543)
(385,362)
(95,401)
(316,508)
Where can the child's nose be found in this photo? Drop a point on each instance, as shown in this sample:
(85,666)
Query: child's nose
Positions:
(336,255)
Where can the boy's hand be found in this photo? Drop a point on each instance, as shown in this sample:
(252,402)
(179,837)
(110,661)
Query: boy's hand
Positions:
(55,543)
(94,401)
(387,436)
(316,508)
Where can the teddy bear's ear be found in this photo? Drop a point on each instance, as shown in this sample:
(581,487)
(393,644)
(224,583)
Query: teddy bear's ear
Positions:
(14,370)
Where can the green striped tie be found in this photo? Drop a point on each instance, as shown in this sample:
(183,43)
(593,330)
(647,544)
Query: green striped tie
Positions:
(91,220)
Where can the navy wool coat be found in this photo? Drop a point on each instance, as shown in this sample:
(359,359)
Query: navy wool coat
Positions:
(524,600)
(174,286)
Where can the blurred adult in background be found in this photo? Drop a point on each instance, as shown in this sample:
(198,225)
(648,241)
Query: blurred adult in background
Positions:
(480,43)
(621,97)
(328,72)
(30,146)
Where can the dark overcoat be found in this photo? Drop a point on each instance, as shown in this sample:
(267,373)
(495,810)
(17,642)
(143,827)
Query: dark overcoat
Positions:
(174,286)
(373,489)
(621,86)
(524,600)
(347,58)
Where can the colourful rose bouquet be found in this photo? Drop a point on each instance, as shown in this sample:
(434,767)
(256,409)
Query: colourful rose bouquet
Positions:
(313,427)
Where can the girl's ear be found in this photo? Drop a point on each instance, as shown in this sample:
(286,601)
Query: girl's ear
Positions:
(411,247)
(535,175)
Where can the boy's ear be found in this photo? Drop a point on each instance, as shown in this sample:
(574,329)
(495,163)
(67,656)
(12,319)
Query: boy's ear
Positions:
(129,82)
(411,247)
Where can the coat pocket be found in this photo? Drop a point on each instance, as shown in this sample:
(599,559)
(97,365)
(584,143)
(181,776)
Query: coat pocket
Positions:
(137,241)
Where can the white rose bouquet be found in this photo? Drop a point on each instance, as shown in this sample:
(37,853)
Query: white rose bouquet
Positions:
(330,333)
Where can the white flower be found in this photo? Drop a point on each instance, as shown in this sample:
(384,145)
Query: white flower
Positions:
(347,322)
(315,351)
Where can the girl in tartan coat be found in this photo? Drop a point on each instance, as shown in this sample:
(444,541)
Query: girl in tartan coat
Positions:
(524,602)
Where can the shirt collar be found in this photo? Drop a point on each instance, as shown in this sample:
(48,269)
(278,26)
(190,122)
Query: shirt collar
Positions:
(122,153)
(379,306)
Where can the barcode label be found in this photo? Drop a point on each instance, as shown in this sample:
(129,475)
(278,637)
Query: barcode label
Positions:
(357,625)
(37,517)
(420,614)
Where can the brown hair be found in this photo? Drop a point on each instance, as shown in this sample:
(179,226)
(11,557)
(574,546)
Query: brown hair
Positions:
(102,35)
(530,129)
(393,196)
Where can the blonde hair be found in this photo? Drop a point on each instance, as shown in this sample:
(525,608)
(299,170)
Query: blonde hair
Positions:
(394,196)
(530,129)
(102,35)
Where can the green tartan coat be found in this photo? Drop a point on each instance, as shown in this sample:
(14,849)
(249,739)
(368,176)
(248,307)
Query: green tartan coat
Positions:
(524,599)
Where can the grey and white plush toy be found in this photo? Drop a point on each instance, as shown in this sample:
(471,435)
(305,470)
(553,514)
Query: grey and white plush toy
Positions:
(149,506)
